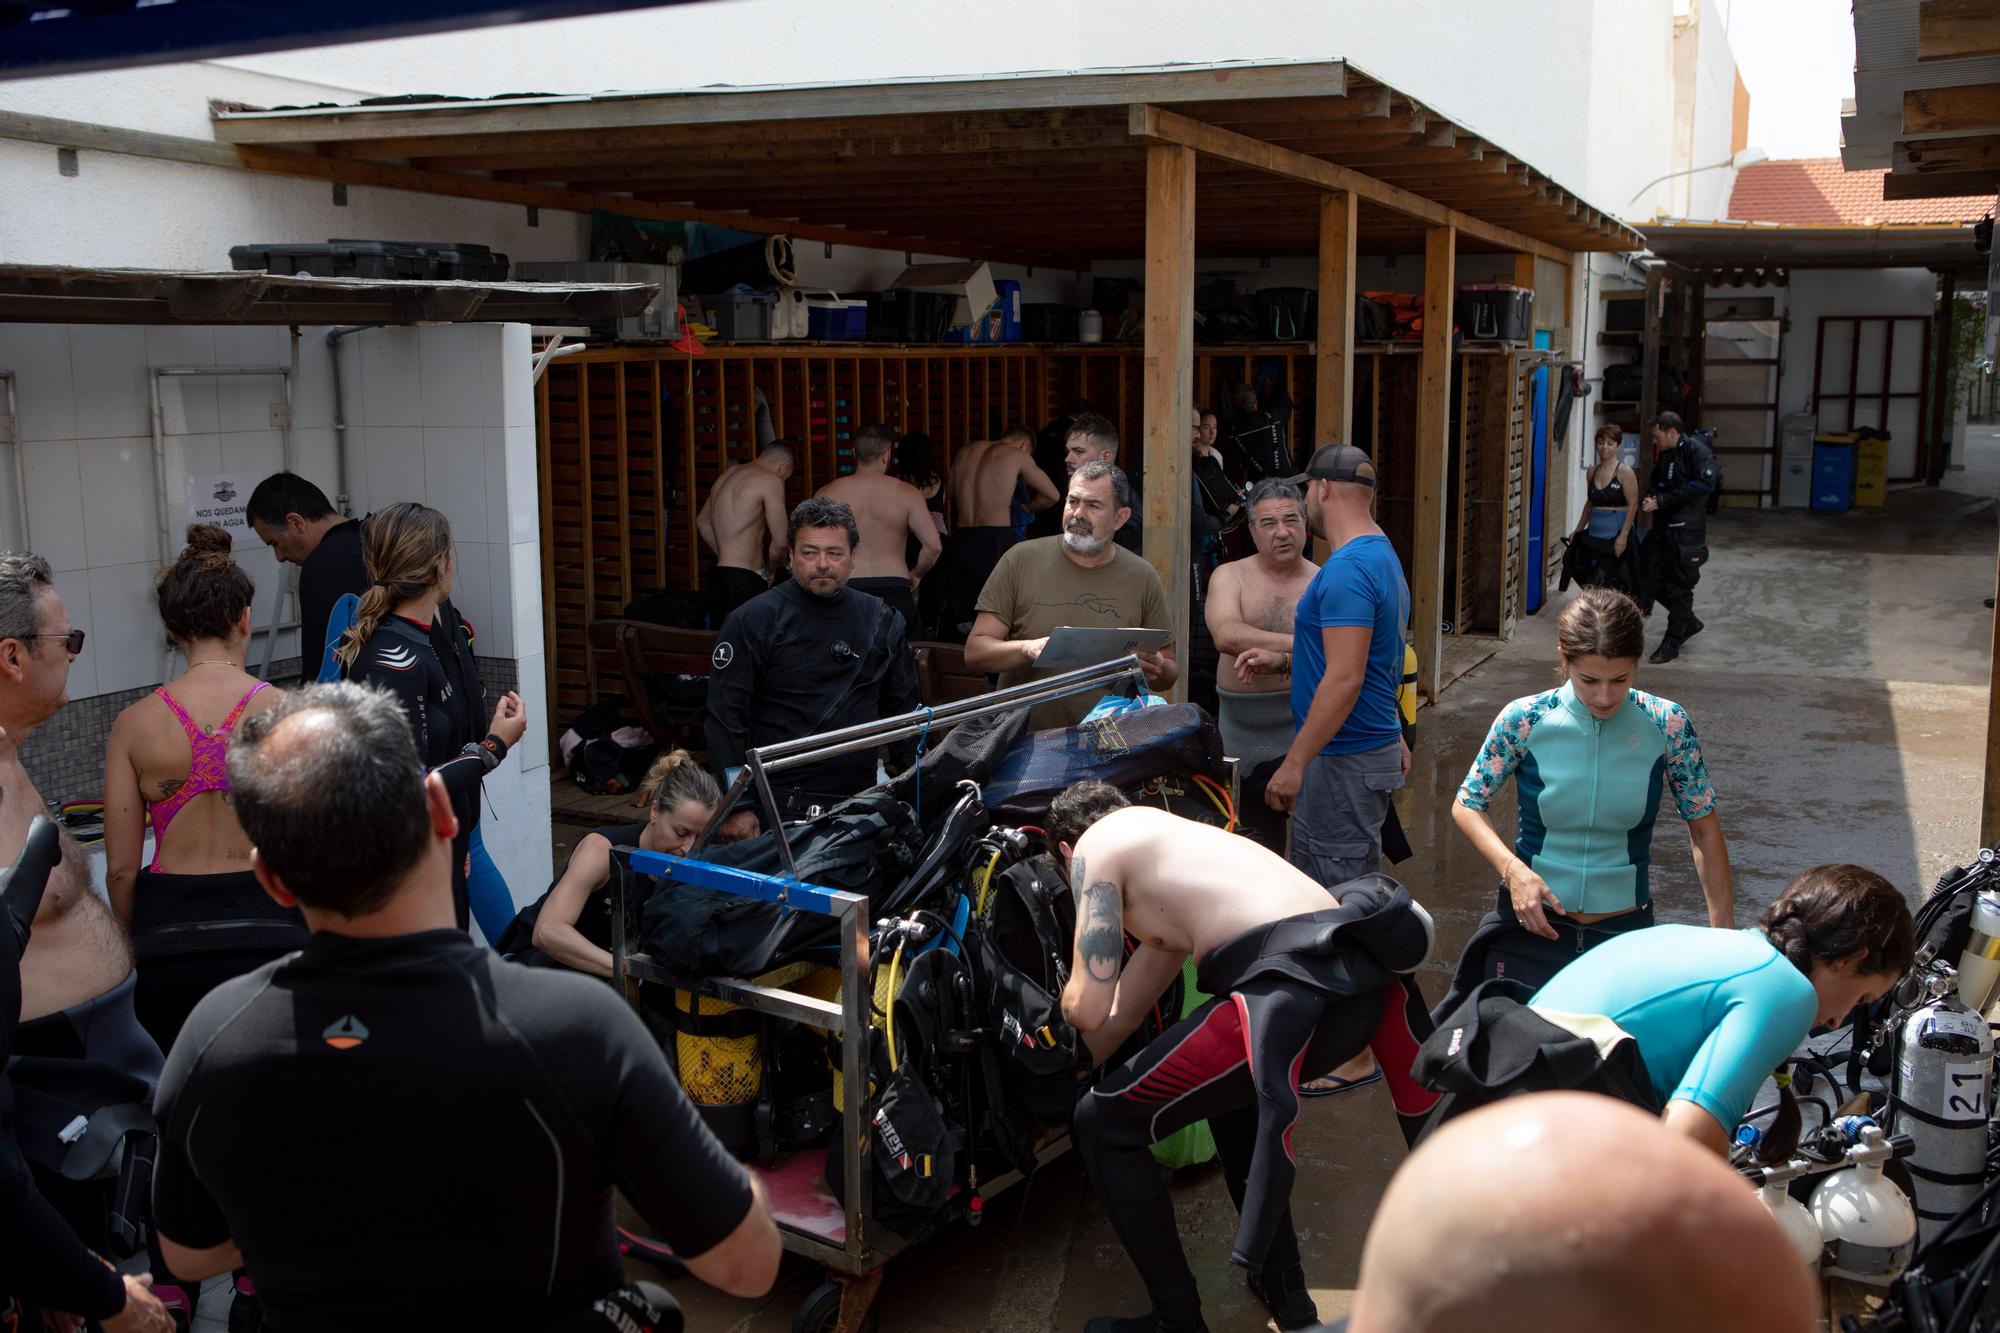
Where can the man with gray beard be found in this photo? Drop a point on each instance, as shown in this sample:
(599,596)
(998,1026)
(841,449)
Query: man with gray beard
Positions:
(1077,579)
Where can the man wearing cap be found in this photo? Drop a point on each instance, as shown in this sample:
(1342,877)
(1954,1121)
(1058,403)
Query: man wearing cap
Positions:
(1347,660)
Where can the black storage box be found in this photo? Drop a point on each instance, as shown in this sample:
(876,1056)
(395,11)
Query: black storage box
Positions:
(900,315)
(457,261)
(1287,314)
(345,259)
(1495,312)
(1048,322)
(1625,314)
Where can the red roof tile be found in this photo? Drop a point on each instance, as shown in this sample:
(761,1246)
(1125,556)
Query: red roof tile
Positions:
(1818,192)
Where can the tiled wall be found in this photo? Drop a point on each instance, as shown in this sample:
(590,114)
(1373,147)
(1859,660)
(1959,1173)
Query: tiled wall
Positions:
(444,415)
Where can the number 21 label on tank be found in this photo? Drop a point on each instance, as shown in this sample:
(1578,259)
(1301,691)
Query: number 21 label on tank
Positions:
(1965,1090)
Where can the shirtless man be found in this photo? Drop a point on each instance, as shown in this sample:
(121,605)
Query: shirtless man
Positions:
(1250,607)
(983,481)
(889,512)
(743,522)
(1299,986)
(76,972)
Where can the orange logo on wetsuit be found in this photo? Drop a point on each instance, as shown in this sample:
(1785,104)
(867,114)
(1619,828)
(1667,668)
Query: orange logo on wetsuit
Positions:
(345,1033)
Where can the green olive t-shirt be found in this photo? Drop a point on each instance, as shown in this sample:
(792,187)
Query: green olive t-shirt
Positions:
(1036,588)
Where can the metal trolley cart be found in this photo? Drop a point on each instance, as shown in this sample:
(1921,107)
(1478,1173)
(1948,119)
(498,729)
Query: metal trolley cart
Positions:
(811,1222)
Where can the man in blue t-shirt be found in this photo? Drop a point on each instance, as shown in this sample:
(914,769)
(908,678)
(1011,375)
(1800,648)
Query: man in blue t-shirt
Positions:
(1347,650)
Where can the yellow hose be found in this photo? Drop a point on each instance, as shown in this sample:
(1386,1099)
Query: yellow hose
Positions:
(1211,789)
(986,883)
(889,1018)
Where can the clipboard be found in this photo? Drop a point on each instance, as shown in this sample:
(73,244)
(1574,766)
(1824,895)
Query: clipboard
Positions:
(1073,646)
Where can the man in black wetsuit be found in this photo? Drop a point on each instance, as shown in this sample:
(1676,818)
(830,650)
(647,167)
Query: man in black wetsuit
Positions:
(810,655)
(394,1127)
(292,516)
(1300,987)
(1685,476)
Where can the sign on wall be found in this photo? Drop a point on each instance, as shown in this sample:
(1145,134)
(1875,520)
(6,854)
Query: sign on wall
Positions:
(219,498)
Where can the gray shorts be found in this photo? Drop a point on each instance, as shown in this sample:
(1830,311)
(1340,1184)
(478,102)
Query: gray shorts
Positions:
(1337,824)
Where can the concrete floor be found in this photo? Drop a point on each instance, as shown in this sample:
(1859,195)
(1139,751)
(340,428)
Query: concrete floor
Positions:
(1840,700)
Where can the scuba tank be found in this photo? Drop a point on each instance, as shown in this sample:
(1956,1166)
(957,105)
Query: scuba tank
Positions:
(1793,1217)
(1868,1227)
(1943,1075)
(1979,964)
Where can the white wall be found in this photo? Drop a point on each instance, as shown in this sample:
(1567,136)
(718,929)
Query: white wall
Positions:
(1818,292)
(1706,134)
(442,414)
(1524,74)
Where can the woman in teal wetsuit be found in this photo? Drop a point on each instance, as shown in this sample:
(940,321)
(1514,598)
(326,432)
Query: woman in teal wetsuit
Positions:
(1590,762)
(1715,1012)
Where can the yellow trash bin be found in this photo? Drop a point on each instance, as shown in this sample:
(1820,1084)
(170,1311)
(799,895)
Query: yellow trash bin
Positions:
(1871,470)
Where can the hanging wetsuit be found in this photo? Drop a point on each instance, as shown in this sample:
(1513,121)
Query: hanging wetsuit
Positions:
(431,671)
(1293,999)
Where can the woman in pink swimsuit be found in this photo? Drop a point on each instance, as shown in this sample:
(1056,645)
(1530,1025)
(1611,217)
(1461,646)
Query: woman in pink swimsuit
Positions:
(197,915)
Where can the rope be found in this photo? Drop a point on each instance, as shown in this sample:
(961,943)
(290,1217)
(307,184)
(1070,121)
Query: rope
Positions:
(779,259)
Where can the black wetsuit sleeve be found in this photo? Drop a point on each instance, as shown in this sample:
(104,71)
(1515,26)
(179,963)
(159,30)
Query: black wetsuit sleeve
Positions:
(662,1156)
(899,688)
(408,687)
(732,689)
(183,1210)
(41,1259)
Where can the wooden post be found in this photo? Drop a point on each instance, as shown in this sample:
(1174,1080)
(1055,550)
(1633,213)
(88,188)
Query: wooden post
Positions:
(1517,529)
(1333,402)
(1989,806)
(1940,452)
(1433,448)
(1169,383)
(1649,392)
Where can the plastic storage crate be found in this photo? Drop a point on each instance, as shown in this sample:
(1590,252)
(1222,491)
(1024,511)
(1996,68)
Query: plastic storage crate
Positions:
(457,261)
(742,316)
(1495,312)
(338,259)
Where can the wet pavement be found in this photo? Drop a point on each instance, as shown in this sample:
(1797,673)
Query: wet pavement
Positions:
(1839,692)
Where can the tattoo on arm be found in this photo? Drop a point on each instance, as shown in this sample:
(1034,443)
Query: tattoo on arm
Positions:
(1100,935)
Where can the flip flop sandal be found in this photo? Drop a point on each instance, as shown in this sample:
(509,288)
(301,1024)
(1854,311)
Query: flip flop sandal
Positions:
(1342,1084)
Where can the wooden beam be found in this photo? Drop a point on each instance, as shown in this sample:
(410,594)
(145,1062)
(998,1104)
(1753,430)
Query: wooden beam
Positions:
(197,152)
(1339,227)
(1169,380)
(1247,81)
(1156,125)
(1433,447)
(1929,156)
(1649,379)
(1940,440)
(1938,185)
(1956,29)
(1974,106)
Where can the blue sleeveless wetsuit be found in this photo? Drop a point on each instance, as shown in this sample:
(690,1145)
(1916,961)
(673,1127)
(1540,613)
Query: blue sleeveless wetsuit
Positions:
(1713,1011)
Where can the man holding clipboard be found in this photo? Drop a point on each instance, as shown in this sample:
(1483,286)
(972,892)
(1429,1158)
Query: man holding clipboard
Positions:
(1082,580)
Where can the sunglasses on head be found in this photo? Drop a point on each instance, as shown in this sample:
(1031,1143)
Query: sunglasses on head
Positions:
(72,641)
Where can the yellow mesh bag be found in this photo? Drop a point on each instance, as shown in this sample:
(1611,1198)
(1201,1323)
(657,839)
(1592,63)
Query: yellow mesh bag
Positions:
(723,1069)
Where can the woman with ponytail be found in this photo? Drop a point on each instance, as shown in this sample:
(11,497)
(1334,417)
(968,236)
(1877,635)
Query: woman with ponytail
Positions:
(407,638)
(571,925)
(1716,1012)
(195,912)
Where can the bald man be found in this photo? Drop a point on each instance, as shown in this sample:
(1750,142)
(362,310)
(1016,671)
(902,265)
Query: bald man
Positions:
(1565,1210)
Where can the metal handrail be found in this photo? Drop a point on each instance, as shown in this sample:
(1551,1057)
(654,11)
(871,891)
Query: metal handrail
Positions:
(758,763)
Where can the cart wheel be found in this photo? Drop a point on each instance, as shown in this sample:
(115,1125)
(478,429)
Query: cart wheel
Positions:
(820,1311)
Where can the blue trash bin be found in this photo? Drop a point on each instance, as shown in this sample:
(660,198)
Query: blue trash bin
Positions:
(1833,476)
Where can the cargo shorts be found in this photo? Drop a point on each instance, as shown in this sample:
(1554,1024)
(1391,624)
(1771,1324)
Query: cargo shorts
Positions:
(1337,823)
